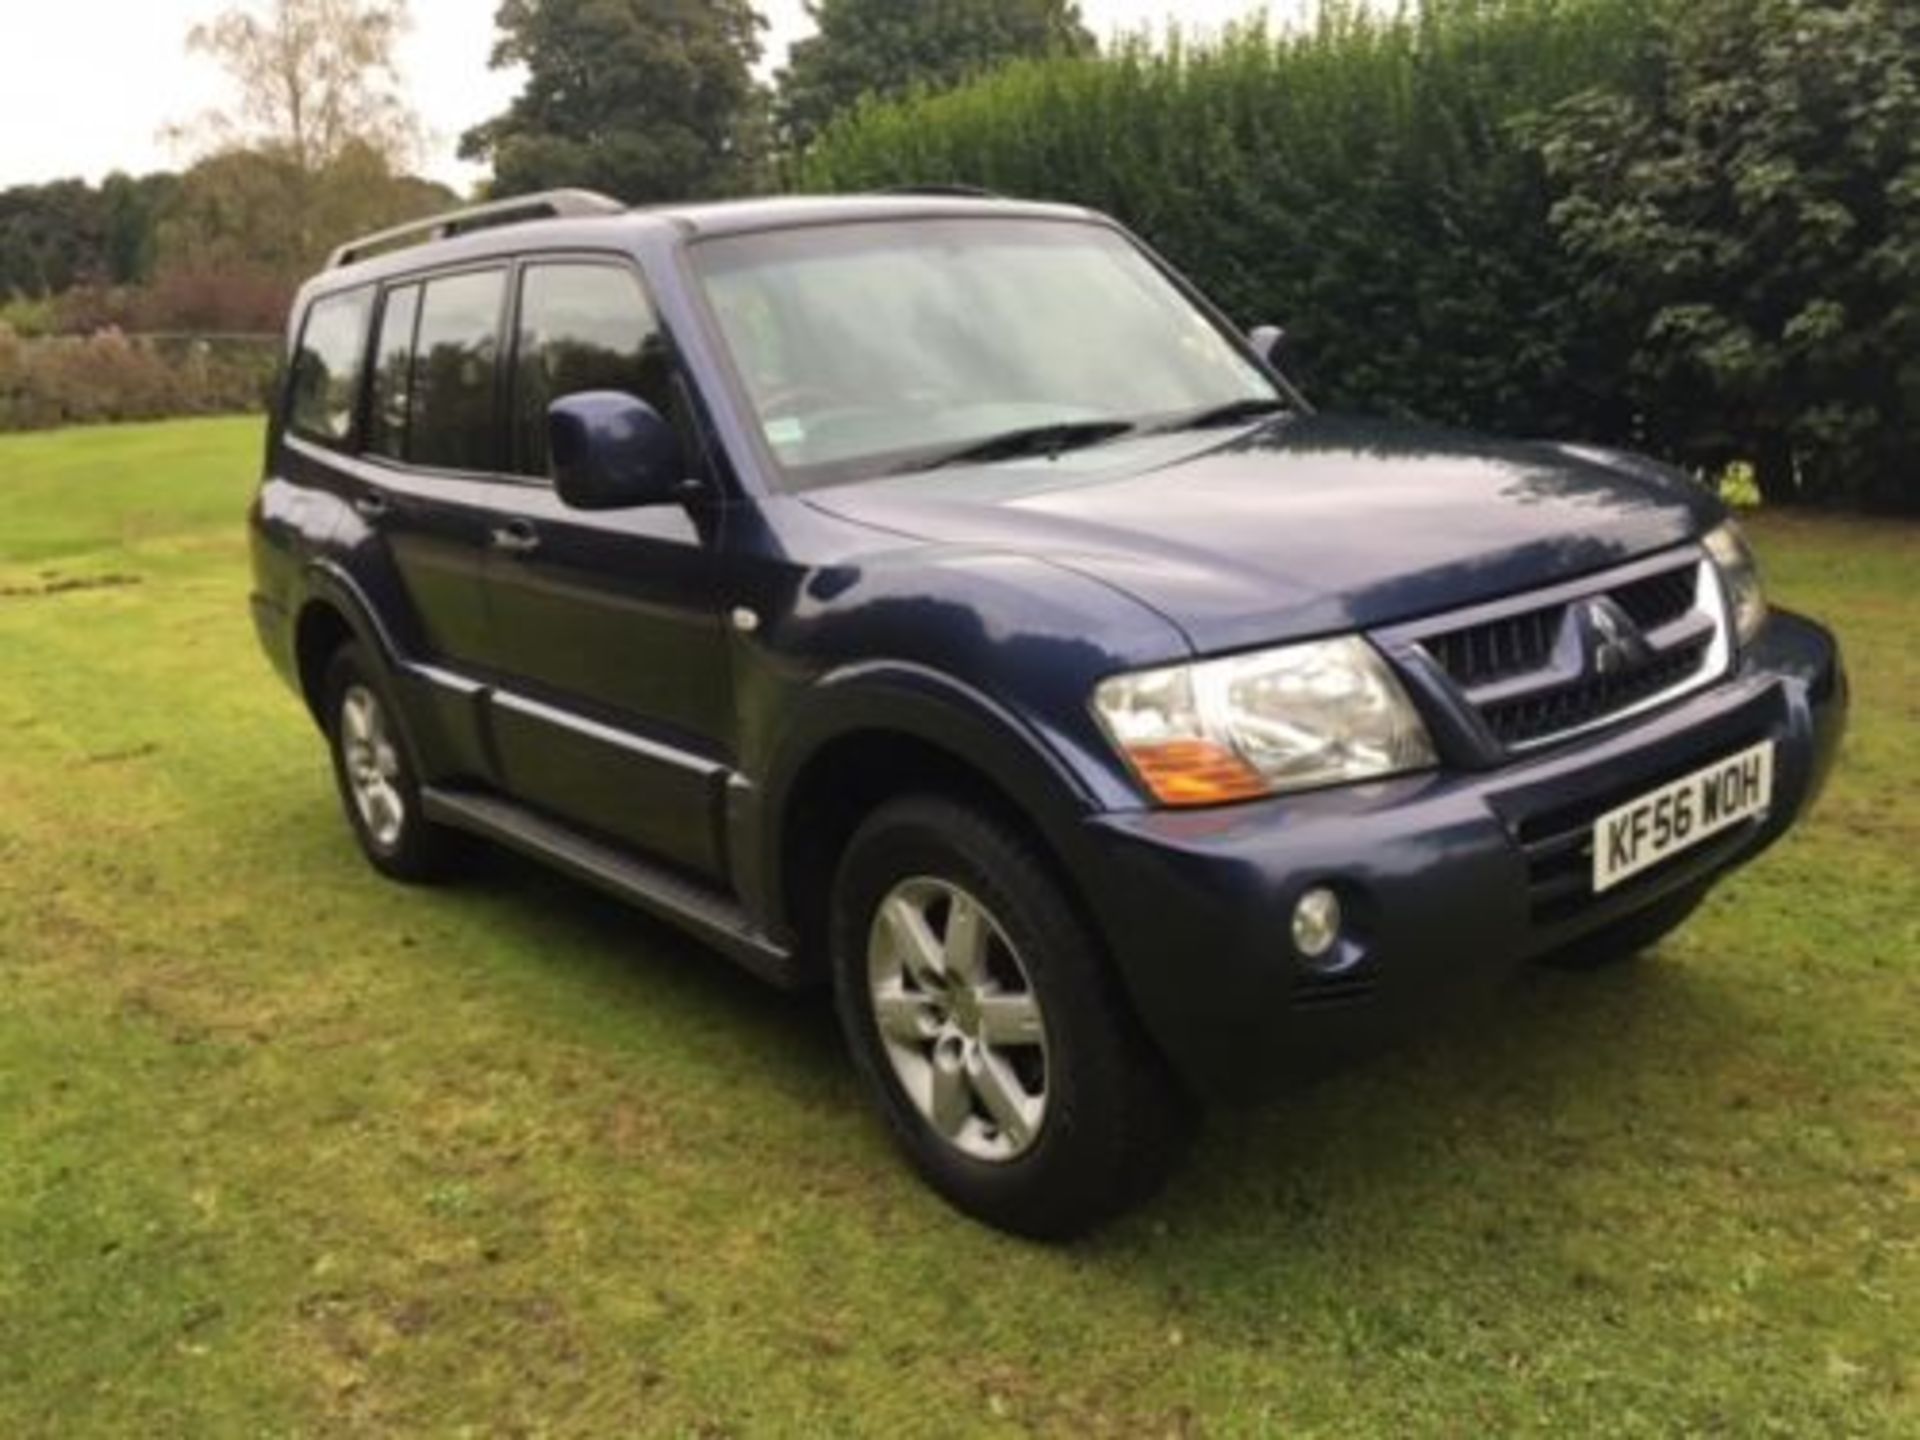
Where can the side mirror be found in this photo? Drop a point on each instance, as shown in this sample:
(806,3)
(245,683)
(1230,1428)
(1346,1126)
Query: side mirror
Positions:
(1270,341)
(610,451)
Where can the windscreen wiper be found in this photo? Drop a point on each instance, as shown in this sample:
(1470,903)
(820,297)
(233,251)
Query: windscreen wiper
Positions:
(1231,413)
(1048,440)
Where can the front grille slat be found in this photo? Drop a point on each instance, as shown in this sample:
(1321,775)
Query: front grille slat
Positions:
(1516,722)
(1524,672)
(1485,653)
(1659,599)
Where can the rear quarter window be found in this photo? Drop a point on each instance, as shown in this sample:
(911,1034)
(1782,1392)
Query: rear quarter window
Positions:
(324,385)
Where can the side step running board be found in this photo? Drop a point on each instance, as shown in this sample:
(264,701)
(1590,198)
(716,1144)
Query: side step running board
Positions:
(698,909)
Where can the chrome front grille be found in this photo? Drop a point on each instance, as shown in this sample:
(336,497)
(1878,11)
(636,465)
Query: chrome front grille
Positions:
(1538,668)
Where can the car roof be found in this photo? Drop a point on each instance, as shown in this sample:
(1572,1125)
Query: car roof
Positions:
(780,212)
(698,220)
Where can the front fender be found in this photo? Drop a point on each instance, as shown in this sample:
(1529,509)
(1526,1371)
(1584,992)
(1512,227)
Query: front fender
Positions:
(899,700)
(986,658)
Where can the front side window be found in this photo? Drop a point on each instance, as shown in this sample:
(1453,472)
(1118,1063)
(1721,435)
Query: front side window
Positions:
(451,418)
(582,327)
(325,377)
(868,349)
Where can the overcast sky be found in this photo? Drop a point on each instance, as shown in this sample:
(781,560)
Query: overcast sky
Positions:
(91,83)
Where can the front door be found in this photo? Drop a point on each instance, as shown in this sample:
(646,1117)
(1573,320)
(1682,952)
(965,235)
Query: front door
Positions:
(614,702)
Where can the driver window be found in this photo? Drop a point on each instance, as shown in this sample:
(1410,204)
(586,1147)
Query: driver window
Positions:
(582,327)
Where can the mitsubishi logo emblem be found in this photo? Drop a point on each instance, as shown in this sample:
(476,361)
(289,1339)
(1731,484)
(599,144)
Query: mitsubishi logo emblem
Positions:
(1609,638)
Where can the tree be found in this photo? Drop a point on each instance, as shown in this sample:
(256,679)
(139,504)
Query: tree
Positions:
(52,237)
(644,99)
(133,209)
(315,77)
(1746,220)
(256,213)
(887,47)
(312,152)
(59,239)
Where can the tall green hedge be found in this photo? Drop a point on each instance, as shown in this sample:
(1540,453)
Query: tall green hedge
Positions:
(1440,205)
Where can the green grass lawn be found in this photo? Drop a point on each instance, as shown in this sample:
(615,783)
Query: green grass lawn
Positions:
(286,1149)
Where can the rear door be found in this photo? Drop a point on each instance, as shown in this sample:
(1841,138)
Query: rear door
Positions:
(432,436)
(614,707)
(411,545)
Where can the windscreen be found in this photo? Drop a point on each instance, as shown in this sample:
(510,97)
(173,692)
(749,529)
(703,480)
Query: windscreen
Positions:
(870,349)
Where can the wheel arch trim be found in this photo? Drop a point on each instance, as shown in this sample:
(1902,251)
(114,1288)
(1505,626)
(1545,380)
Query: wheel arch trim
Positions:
(330,589)
(917,705)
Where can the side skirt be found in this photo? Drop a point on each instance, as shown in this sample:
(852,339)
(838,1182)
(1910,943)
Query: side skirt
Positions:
(701,910)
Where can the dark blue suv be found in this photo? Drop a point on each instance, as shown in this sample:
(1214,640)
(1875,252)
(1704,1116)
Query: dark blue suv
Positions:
(936,597)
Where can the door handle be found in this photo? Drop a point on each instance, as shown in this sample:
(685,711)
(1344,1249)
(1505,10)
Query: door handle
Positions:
(516,537)
(372,504)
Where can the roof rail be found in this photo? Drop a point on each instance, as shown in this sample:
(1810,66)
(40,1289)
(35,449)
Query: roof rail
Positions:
(547,205)
(960,192)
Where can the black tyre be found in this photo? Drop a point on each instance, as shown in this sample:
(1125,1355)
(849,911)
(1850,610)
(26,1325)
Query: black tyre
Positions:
(987,1024)
(1625,939)
(373,767)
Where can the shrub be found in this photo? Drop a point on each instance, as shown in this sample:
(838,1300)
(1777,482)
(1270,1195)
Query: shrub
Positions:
(1409,196)
(184,298)
(227,299)
(24,315)
(85,309)
(73,380)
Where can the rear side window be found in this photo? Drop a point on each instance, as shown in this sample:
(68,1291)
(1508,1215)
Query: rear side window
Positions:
(582,327)
(388,414)
(325,379)
(451,419)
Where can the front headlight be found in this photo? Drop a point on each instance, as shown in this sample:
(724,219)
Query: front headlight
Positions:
(1739,579)
(1321,713)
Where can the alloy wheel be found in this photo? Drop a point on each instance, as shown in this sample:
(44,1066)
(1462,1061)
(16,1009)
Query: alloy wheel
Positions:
(959,1018)
(372,764)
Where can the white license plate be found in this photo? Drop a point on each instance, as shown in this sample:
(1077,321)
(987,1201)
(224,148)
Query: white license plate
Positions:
(1663,822)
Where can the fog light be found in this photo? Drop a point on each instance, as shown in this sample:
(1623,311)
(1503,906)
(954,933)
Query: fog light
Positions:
(1316,923)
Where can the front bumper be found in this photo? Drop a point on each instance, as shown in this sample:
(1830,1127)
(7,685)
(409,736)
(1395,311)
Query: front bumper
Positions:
(1447,879)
